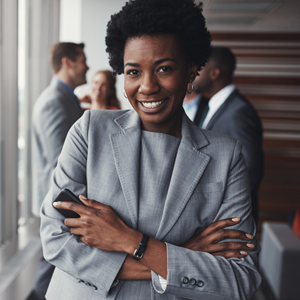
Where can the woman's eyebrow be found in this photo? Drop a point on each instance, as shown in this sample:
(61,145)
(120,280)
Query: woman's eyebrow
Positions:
(132,64)
(157,62)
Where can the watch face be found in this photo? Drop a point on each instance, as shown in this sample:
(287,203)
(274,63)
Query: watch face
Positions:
(138,253)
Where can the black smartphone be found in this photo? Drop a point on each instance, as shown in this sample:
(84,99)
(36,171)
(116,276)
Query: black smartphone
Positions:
(68,196)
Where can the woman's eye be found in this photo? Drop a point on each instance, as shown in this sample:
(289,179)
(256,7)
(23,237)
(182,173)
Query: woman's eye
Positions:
(132,72)
(164,69)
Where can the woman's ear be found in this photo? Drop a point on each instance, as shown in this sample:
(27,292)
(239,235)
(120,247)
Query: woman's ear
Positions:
(193,71)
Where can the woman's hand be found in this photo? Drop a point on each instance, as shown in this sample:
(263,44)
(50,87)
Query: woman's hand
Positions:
(85,99)
(99,225)
(208,240)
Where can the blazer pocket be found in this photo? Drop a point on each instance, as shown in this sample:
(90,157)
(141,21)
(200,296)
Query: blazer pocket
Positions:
(210,187)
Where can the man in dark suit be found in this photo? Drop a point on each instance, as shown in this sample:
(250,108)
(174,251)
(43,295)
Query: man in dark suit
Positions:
(54,112)
(230,113)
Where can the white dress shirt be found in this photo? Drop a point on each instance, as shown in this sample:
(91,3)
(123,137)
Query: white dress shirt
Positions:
(191,107)
(216,101)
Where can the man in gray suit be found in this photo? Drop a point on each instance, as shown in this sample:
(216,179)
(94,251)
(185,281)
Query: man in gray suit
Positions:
(54,112)
(230,113)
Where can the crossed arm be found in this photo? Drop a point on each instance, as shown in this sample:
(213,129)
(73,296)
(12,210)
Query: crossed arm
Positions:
(99,226)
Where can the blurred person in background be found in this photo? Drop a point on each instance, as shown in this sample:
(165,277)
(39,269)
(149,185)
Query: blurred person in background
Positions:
(103,92)
(230,113)
(194,103)
(54,112)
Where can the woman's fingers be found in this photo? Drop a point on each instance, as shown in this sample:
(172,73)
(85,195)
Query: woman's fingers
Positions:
(211,240)
(93,203)
(73,222)
(78,208)
(223,234)
(219,225)
(228,246)
(230,254)
(81,209)
(99,225)
(76,231)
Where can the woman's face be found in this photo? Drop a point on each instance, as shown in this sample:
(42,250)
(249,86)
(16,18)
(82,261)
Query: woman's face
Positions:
(99,86)
(156,76)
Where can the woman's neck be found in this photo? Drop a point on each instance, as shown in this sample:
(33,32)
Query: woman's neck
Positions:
(172,128)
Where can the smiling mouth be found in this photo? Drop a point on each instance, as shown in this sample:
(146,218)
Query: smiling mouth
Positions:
(152,104)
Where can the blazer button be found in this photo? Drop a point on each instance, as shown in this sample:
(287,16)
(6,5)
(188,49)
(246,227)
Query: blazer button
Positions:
(185,280)
(200,283)
(192,281)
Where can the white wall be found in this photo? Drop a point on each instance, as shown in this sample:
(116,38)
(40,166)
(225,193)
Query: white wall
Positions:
(70,21)
(92,15)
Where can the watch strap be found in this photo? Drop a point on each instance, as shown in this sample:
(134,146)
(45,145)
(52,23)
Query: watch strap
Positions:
(140,250)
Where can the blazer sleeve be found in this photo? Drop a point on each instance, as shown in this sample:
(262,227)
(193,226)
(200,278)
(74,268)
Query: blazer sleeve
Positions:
(54,124)
(246,127)
(217,277)
(62,249)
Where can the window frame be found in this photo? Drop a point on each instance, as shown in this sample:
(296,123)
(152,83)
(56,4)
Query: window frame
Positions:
(20,246)
(9,119)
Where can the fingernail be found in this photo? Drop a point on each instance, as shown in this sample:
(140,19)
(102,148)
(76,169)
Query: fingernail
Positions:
(55,203)
(249,236)
(235,219)
(83,197)
(250,246)
(243,252)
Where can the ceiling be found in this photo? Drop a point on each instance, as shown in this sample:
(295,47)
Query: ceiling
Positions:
(246,15)
(252,15)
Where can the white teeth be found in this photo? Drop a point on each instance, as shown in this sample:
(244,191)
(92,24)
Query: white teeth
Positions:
(152,104)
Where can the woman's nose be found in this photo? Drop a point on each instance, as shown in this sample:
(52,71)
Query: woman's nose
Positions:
(149,85)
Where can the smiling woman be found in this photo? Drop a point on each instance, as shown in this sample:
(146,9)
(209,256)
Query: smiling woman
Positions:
(164,191)
(156,79)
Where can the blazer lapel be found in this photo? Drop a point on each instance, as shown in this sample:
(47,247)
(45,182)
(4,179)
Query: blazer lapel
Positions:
(221,110)
(190,165)
(126,151)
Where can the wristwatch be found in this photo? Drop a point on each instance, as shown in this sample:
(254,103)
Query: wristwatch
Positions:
(140,250)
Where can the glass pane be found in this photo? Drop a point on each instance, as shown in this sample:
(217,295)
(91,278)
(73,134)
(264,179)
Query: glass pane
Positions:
(22,111)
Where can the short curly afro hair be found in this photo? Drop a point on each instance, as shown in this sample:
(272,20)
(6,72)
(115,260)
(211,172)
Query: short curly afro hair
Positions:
(181,18)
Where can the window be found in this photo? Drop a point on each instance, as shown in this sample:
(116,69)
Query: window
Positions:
(8,119)
(24,73)
(23,213)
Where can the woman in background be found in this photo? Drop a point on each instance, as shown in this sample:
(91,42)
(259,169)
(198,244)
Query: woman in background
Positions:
(103,92)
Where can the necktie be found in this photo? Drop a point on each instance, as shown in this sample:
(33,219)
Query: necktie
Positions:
(202,112)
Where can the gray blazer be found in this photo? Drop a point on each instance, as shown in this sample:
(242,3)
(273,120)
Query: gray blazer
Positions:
(100,159)
(238,119)
(54,112)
